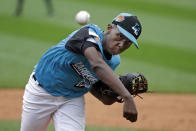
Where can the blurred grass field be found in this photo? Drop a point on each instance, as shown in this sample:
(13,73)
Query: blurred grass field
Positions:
(167,45)
(15,126)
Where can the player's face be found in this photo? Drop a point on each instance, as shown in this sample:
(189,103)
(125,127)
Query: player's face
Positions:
(115,42)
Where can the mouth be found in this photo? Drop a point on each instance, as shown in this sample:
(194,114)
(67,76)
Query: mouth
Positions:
(114,51)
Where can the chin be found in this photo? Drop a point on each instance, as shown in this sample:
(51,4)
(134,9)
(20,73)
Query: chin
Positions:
(115,53)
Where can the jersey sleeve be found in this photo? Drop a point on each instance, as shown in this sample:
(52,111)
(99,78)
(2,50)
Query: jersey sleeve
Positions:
(80,41)
(90,42)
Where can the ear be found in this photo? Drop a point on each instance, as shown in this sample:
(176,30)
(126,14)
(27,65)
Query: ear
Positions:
(109,27)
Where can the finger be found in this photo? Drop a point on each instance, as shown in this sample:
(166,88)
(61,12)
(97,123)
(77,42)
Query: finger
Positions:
(130,117)
(143,82)
(143,77)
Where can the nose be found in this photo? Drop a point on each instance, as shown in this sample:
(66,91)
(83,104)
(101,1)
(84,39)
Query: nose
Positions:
(121,43)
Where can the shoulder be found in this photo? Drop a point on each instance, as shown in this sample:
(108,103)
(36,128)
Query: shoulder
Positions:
(87,31)
(95,31)
(85,37)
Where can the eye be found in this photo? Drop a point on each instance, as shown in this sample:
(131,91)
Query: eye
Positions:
(128,43)
(121,36)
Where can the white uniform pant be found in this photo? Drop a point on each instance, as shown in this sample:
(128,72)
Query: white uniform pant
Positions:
(39,108)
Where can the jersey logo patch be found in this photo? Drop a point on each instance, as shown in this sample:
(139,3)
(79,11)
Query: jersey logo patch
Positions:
(81,84)
(97,38)
(83,72)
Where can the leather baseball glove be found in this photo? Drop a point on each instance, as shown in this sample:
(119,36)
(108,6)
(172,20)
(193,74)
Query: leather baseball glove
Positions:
(135,83)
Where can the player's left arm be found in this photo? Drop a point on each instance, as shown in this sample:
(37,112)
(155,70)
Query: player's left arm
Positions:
(105,99)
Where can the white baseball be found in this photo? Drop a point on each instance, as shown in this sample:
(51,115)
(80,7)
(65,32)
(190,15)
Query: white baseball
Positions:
(82,17)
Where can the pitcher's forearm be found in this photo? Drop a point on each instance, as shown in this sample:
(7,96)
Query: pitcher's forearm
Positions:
(105,73)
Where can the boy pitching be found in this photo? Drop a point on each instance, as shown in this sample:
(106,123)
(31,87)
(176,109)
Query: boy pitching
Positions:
(67,71)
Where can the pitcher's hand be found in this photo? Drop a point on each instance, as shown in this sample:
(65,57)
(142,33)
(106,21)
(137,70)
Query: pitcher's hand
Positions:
(129,110)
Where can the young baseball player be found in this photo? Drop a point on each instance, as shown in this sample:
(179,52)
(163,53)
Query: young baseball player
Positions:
(67,71)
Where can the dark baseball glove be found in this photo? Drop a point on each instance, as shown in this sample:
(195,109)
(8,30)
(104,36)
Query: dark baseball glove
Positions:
(135,83)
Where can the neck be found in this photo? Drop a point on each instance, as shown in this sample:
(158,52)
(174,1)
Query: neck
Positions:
(106,53)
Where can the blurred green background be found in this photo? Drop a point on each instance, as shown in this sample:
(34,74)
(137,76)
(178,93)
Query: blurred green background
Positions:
(7,125)
(167,54)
